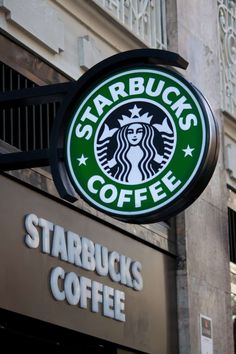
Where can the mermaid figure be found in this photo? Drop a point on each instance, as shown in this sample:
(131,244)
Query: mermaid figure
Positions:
(135,158)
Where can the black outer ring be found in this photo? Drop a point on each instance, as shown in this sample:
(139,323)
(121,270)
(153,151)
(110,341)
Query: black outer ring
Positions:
(113,65)
(201,178)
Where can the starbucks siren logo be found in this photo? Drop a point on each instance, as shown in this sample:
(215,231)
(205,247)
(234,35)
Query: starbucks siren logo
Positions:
(134,148)
(136,142)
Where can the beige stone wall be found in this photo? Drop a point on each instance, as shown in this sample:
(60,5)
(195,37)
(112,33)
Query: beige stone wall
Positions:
(203,276)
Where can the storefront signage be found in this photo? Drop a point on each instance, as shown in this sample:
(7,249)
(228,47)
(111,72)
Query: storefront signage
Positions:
(83,253)
(70,269)
(140,144)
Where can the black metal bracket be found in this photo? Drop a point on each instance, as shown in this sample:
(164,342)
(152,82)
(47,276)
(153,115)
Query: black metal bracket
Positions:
(27,97)
(35,95)
(64,93)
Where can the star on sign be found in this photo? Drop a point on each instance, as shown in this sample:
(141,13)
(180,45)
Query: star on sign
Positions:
(188,151)
(82,160)
(135,111)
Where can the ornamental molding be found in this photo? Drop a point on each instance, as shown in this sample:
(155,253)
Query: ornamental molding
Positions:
(146,19)
(227,45)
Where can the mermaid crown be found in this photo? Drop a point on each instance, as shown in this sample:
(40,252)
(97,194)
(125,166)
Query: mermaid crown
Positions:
(135,117)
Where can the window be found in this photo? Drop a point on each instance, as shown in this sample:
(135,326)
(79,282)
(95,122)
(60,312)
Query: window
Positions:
(232,234)
(26,128)
(232,250)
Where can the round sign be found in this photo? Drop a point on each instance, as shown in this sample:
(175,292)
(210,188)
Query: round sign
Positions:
(141,144)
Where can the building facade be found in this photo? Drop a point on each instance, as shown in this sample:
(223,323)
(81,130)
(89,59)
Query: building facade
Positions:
(188,262)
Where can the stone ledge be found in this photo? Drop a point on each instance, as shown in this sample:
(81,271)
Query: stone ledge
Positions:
(48,29)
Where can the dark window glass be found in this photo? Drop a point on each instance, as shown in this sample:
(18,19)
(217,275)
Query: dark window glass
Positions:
(232,234)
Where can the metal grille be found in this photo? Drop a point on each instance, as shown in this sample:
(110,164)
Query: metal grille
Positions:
(232,234)
(146,19)
(26,128)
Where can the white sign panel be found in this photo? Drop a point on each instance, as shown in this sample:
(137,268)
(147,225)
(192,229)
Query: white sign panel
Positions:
(206,335)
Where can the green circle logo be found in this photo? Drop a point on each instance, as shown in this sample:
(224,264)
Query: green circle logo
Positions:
(136,142)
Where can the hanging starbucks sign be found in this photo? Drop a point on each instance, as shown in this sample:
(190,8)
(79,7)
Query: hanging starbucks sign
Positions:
(140,142)
(132,137)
